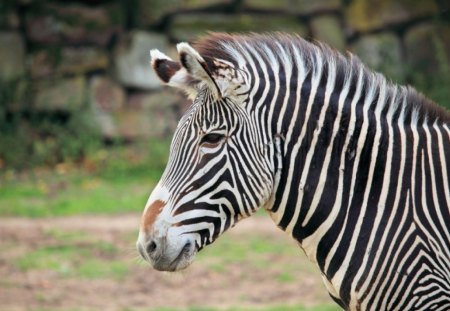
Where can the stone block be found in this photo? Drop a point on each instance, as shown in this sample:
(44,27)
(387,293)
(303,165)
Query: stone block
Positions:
(14,95)
(62,94)
(43,29)
(363,15)
(381,52)
(67,60)
(74,24)
(132,59)
(9,19)
(150,12)
(42,63)
(304,7)
(105,94)
(428,48)
(132,124)
(144,115)
(106,97)
(279,5)
(12,56)
(327,28)
(308,6)
(151,115)
(82,60)
(188,27)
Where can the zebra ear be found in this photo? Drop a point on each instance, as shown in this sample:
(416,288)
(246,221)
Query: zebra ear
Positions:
(188,75)
(196,66)
(171,72)
(222,76)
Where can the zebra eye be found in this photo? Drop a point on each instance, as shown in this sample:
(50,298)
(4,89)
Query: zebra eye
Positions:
(211,138)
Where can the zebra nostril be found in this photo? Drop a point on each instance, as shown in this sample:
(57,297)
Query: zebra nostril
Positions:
(151,247)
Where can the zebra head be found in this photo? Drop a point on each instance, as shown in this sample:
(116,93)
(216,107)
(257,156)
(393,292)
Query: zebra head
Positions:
(219,168)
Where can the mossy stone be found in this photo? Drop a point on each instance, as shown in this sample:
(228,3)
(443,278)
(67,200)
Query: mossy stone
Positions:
(381,52)
(327,28)
(191,26)
(67,61)
(294,6)
(428,48)
(363,15)
(12,56)
(73,24)
(9,19)
(61,94)
(132,59)
(316,6)
(150,12)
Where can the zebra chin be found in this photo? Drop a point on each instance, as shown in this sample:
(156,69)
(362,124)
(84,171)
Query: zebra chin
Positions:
(180,262)
(167,253)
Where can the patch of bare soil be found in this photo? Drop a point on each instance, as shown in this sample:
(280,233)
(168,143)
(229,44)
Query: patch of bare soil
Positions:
(242,283)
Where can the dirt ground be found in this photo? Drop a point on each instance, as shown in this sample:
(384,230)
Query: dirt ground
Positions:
(240,284)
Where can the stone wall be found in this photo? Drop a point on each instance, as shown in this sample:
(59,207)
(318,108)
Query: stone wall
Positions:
(93,54)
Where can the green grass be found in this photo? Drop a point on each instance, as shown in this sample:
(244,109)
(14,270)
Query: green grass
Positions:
(75,254)
(285,277)
(102,196)
(79,260)
(228,251)
(114,181)
(67,236)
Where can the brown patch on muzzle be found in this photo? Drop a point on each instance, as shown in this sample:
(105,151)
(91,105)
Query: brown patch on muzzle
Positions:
(151,213)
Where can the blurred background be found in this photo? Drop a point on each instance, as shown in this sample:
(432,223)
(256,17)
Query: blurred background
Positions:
(85,128)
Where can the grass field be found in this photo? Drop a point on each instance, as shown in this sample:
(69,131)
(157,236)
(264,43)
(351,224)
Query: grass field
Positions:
(109,181)
(68,239)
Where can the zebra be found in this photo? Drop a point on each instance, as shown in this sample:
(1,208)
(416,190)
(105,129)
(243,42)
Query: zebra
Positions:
(351,166)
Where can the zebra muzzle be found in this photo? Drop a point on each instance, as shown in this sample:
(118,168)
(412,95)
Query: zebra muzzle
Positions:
(167,254)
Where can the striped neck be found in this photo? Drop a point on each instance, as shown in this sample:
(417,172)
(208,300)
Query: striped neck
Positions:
(325,117)
(321,112)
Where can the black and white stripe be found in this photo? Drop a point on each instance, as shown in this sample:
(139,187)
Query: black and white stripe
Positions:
(353,167)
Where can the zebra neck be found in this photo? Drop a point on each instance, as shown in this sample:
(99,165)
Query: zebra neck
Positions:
(337,141)
(313,114)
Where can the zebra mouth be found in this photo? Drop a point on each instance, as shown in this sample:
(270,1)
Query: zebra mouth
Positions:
(182,261)
(185,258)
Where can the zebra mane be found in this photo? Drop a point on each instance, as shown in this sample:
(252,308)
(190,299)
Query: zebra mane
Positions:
(235,49)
